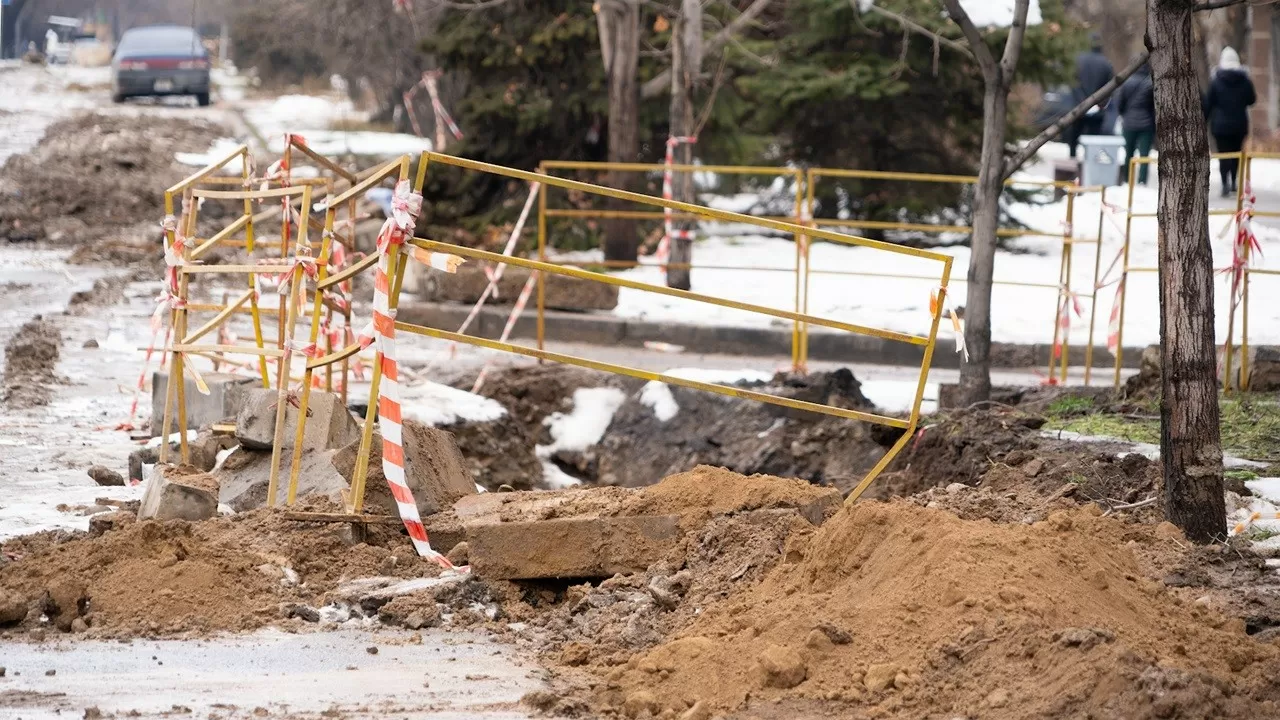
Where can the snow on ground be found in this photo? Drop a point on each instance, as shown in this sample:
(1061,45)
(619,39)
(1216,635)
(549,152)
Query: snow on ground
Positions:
(35,98)
(314,116)
(1019,314)
(593,410)
(435,404)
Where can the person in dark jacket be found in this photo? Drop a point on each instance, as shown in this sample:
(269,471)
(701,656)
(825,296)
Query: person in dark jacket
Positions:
(1092,72)
(1136,102)
(1226,106)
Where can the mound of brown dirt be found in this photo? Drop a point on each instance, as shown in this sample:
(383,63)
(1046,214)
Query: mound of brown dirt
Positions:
(98,173)
(892,610)
(164,578)
(29,359)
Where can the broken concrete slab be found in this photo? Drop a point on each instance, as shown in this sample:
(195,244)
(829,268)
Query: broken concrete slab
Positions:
(226,396)
(575,534)
(434,470)
(246,474)
(469,283)
(205,447)
(105,476)
(571,547)
(172,494)
(329,422)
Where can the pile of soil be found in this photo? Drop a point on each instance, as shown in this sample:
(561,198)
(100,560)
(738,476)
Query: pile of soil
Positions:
(154,578)
(894,610)
(1016,472)
(105,291)
(94,176)
(29,359)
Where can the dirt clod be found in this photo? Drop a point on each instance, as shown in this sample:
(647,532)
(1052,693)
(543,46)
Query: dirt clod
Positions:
(29,359)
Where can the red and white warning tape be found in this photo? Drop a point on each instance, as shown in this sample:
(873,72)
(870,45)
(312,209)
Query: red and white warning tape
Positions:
(521,301)
(669,232)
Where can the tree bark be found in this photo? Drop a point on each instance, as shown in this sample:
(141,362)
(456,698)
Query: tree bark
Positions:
(997,79)
(1190,443)
(622,242)
(975,374)
(686,49)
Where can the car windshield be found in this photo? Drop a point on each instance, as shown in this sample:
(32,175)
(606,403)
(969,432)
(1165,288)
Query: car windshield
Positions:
(160,41)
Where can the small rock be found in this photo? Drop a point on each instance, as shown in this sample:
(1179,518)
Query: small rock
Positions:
(427,617)
(13,609)
(640,702)
(575,654)
(1168,531)
(1084,638)
(839,636)
(781,667)
(699,711)
(997,698)
(460,554)
(1060,521)
(902,680)
(956,487)
(372,649)
(92,713)
(665,599)
(818,640)
(302,612)
(2,671)
(50,673)
(880,676)
(79,625)
(90,343)
(106,476)
(1033,467)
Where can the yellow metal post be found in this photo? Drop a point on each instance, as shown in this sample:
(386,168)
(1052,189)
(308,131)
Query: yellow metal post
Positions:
(1229,349)
(810,195)
(542,257)
(921,383)
(282,391)
(1068,249)
(1124,271)
(799,240)
(1093,302)
(322,271)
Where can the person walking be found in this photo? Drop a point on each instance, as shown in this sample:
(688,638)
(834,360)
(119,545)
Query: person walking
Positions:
(1226,107)
(1136,102)
(1093,70)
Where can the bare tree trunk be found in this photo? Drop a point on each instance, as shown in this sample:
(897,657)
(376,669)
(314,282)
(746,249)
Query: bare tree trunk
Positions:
(975,375)
(686,50)
(1190,443)
(621,239)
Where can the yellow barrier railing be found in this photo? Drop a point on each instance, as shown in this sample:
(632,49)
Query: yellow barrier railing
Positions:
(804,183)
(398,260)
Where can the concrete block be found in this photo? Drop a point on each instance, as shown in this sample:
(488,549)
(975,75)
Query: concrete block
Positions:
(329,423)
(563,293)
(571,547)
(434,469)
(1264,369)
(226,396)
(244,477)
(173,495)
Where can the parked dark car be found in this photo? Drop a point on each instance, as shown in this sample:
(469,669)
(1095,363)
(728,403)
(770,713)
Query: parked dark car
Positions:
(160,60)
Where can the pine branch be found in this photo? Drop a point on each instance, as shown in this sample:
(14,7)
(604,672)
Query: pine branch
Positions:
(1072,115)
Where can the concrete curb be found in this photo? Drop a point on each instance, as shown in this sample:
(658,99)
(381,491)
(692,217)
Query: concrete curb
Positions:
(601,329)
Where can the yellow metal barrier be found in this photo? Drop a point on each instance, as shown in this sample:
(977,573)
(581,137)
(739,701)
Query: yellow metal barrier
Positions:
(1126,268)
(1063,286)
(804,183)
(397,261)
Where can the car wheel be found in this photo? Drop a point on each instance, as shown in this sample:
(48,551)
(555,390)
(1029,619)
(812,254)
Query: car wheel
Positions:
(202,99)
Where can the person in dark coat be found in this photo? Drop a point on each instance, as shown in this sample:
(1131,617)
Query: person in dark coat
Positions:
(1092,72)
(1136,102)
(1226,106)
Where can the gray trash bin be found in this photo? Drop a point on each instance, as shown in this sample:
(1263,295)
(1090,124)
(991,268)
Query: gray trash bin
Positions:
(1103,158)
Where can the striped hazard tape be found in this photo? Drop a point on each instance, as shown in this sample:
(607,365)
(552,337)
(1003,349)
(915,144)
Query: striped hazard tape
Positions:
(405,206)
(663,254)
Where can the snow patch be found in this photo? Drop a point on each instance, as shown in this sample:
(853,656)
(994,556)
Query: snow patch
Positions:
(593,410)
(555,478)
(658,396)
(434,404)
